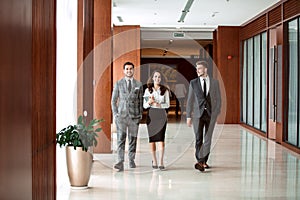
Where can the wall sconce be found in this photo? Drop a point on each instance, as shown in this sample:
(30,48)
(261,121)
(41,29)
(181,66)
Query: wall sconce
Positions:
(229,57)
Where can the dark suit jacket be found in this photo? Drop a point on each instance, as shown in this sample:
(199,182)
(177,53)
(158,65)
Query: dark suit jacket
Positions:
(196,99)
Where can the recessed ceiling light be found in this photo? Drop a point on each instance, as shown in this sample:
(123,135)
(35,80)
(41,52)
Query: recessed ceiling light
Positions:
(214,14)
(120,19)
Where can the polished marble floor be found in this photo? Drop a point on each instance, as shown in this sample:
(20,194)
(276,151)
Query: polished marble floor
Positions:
(243,164)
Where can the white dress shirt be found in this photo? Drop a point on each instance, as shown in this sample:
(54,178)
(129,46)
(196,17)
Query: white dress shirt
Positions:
(207,83)
(163,100)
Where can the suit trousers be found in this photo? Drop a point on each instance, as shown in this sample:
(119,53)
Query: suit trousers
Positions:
(126,126)
(203,147)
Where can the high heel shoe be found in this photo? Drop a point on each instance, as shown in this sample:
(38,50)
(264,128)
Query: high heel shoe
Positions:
(162,167)
(154,166)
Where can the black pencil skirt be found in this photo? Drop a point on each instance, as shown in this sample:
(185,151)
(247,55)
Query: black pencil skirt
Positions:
(156,124)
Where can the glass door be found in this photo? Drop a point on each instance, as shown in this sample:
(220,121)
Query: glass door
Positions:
(275,87)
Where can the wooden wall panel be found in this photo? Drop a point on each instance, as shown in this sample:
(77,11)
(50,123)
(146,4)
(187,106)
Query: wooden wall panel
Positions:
(126,47)
(272,17)
(85,62)
(15,99)
(275,16)
(228,45)
(27,102)
(44,99)
(94,52)
(254,27)
(291,8)
(79,56)
(102,71)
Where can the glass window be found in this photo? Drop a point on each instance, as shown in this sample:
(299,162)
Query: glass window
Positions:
(264,82)
(244,110)
(250,82)
(254,95)
(257,85)
(293,101)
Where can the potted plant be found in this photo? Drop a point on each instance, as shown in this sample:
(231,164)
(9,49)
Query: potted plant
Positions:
(79,140)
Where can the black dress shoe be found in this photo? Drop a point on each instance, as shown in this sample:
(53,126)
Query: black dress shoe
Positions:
(154,166)
(132,164)
(199,166)
(119,167)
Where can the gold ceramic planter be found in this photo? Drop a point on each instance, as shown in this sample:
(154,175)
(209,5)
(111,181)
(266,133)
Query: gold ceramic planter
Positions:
(79,165)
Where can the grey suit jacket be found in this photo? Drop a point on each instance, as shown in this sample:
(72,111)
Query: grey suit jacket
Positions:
(125,104)
(196,99)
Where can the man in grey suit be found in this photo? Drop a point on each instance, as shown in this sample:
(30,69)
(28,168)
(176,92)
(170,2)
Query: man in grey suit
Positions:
(203,108)
(127,109)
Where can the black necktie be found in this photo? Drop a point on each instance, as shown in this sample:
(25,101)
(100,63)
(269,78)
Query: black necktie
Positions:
(204,87)
(129,85)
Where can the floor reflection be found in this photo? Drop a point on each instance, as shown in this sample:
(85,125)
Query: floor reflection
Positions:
(243,166)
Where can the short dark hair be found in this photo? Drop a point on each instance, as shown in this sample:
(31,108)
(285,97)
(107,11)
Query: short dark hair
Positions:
(203,63)
(128,63)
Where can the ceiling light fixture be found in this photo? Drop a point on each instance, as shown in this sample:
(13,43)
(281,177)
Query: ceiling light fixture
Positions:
(165,52)
(214,14)
(120,19)
(185,10)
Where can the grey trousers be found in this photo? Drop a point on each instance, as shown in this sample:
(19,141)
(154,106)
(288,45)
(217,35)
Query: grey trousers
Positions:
(126,126)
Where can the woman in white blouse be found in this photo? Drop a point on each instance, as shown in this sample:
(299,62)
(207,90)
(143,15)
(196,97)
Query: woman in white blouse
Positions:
(157,100)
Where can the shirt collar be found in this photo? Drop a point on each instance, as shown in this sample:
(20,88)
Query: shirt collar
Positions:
(206,78)
(127,79)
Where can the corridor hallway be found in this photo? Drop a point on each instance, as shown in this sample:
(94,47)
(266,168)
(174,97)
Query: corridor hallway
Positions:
(243,164)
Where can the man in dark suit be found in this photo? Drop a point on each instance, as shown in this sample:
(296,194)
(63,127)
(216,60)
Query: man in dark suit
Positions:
(203,107)
(127,109)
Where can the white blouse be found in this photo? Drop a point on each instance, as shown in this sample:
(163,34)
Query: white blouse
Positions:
(163,100)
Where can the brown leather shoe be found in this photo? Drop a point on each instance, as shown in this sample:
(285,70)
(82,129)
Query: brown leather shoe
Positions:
(200,167)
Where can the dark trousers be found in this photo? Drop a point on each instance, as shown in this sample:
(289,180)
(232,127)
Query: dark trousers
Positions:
(203,147)
(179,105)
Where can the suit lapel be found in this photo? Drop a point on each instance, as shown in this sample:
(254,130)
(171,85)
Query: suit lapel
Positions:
(133,85)
(124,85)
(211,85)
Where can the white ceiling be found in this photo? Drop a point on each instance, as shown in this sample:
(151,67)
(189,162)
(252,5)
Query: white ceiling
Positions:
(166,13)
(158,16)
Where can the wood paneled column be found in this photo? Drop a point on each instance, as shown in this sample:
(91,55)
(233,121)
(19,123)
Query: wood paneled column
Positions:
(85,58)
(94,65)
(43,77)
(227,58)
(28,99)
(102,71)
(126,48)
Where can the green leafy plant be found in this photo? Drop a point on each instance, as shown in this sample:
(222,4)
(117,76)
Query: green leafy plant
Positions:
(82,134)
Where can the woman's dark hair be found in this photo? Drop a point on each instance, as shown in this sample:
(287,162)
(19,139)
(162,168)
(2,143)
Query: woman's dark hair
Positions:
(150,83)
